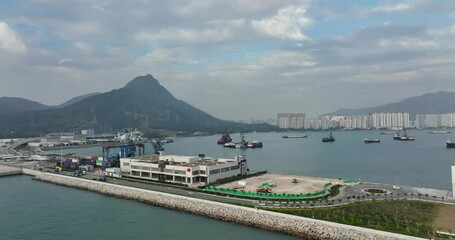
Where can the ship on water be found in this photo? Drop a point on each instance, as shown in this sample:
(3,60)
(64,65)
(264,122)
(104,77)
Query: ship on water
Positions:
(450,144)
(330,138)
(243,143)
(372,140)
(295,136)
(225,138)
(439,132)
(405,137)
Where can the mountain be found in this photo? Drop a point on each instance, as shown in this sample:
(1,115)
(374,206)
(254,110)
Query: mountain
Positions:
(143,104)
(75,100)
(10,105)
(439,102)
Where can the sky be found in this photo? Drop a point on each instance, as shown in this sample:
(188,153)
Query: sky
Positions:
(233,59)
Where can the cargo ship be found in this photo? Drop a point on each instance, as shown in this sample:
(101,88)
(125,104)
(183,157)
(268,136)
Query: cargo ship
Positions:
(372,140)
(439,132)
(330,138)
(450,144)
(225,138)
(295,136)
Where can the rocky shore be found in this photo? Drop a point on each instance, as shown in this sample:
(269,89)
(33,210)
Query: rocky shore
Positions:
(296,226)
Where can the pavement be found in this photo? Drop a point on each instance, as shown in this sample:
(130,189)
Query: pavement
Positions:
(348,194)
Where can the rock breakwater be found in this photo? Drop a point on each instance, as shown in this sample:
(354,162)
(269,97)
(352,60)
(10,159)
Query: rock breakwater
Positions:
(271,221)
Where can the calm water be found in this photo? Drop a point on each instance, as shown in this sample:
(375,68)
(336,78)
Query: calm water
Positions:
(36,210)
(423,163)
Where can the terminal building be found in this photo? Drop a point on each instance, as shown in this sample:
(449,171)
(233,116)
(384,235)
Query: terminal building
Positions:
(188,170)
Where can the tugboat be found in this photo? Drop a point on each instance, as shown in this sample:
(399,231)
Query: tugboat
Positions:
(450,144)
(372,140)
(225,138)
(405,136)
(330,138)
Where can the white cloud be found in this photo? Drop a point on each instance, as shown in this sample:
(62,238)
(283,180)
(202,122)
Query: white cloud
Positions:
(9,40)
(286,24)
(65,60)
(396,7)
(444,32)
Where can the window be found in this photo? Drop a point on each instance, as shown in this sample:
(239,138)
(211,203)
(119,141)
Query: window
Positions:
(135,167)
(235,167)
(202,172)
(225,169)
(145,174)
(179,172)
(215,171)
(126,164)
(145,168)
(195,172)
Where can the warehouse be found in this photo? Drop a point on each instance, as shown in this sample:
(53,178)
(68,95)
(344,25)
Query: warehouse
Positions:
(188,170)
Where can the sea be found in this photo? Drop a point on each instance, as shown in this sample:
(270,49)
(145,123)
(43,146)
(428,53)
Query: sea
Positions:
(34,210)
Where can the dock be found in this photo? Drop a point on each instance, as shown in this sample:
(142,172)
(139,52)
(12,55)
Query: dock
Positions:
(8,171)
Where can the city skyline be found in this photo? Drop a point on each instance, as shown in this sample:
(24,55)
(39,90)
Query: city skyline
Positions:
(312,56)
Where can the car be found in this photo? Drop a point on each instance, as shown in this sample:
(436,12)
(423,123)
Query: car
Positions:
(396,187)
(102,178)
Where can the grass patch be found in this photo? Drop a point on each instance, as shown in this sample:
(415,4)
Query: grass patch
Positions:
(414,218)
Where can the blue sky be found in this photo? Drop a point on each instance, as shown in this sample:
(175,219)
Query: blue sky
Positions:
(233,59)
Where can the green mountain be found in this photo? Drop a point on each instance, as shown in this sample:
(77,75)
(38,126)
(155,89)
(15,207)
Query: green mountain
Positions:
(439,102)
(143,104)
(9,105)
(75,100)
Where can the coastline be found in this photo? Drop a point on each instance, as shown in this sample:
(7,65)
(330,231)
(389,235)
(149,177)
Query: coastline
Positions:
(292,225)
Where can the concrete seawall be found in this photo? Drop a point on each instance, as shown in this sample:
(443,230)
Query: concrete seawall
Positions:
(271,221)
(8,171)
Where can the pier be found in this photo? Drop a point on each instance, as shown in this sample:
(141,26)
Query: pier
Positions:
(8,171)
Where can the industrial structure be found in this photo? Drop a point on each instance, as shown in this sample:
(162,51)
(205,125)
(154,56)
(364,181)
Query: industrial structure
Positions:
(188,170)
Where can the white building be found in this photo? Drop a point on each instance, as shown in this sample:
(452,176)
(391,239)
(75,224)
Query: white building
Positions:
(290,120)
(88,132)
(183,169)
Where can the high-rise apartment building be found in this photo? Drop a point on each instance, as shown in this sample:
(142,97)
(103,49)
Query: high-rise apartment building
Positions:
(290,120)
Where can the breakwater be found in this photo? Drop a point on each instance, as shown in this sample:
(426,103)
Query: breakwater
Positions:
(292,225)
(8,171)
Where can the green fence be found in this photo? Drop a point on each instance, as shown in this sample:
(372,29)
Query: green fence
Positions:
(269,195)
(350,181)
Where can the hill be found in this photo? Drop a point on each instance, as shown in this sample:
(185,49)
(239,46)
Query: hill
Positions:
(440,102)
(143,104)
(9,105)
(75,100)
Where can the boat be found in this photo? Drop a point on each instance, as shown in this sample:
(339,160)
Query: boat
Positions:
(439,132)
(404,137)
(243,143)
(255,144)
(450,144)
(372,140)
(330,138)
(295,136)
(225,138)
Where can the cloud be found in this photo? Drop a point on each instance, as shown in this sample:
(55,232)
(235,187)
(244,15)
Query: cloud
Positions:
(10,41)
(396,7)
(286,24)
(444,32)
